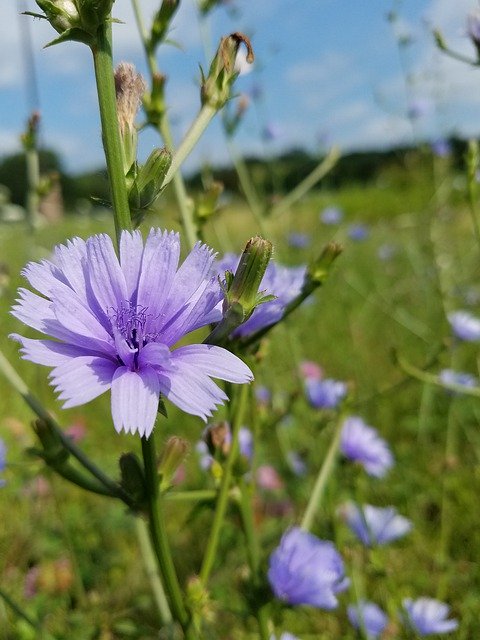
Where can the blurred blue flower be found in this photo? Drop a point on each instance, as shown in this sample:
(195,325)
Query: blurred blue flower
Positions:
(245,442)
(325,394)
(375,525)
(3,455)
(298,240)
(386,252)
(441,148)
(271,131)
(361,443)
(465,326)
(449,376)
(358,232)
(284,282)
(296,463)
(368,617)
(418,108)
(427,616)
(205,458)
(285,636)
(263,395)
(331,215)
(307,570)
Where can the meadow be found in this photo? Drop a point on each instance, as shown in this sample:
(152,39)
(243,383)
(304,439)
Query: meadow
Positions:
(72,559)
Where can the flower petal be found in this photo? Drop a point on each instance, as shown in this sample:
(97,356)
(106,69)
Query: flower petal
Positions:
(135,398)
(47,352)
(71,312)
(33,310)
(191,390)
(106,277)
(43,276)
(214,361)
(131,253)
(82,379)
(70,259)
(159,263)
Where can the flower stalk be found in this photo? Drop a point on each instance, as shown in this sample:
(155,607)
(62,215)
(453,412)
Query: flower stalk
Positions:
(102,59)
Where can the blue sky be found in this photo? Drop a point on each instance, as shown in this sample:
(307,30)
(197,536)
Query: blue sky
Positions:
(327,69)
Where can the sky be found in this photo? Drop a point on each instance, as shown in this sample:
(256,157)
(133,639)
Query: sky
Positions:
(326,72)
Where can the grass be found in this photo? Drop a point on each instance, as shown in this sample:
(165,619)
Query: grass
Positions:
(92,583)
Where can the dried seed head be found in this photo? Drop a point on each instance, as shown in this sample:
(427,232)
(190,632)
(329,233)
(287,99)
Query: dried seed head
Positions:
(129,87)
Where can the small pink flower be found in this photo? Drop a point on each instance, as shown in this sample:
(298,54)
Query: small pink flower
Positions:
(268,478)
(311,370)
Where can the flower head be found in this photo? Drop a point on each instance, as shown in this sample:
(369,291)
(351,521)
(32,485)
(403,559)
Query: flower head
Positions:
(374,525)
(362,444)
(358,232)
(298,240)
(441,148)
(307,570)
(268,478)
(285,636)
(369,617)
(428,616)
(418,108)
(115,323)
(325,394)
(449,377)
(283,282)
(331,215)
(465,326)
(311,370)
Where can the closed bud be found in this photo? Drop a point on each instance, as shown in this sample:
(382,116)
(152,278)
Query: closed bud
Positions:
(62,14)
(54,453)
(154,103)
(217,85)
(132,476)
(174,453)
(207,202)
(318,270)
(152,173)
(218,438)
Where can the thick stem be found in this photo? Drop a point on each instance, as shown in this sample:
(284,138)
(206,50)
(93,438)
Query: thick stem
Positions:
(158,533)
(321,482)
(102,59)
(222,501)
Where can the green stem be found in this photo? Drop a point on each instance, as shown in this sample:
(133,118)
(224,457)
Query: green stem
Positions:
(190,496)
(153,574)
(19,385)
(191,138)
(33,180)
(102,59)
(325,472)
(158,533)
(248,188)
(183,201)
(310,181)
(222,500)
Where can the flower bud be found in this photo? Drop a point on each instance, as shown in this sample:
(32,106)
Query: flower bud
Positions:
(242,287)
(54,453)
(154,103)
(218,438)
(217,85)
(207,202)
(129,89)
(175,452)
(318,270)
(152,173)
(62,14)
(132,476)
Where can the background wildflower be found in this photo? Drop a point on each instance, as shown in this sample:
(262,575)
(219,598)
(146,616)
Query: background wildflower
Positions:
(375,525)
(114,323)
(307,570)
(361,443)
(465,326)
(427,616)
(368,617)
(3,453)
(283,282)
(331,215)
(325,394)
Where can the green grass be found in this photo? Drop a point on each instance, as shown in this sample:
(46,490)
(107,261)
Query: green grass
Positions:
(367,310)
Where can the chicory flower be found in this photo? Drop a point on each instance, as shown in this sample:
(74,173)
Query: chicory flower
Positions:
(375,525)
(428,616)
(361,443)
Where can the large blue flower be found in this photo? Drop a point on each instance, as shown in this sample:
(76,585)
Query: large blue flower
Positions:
(307,570)
(115,321)
(427,616)
(283,282)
